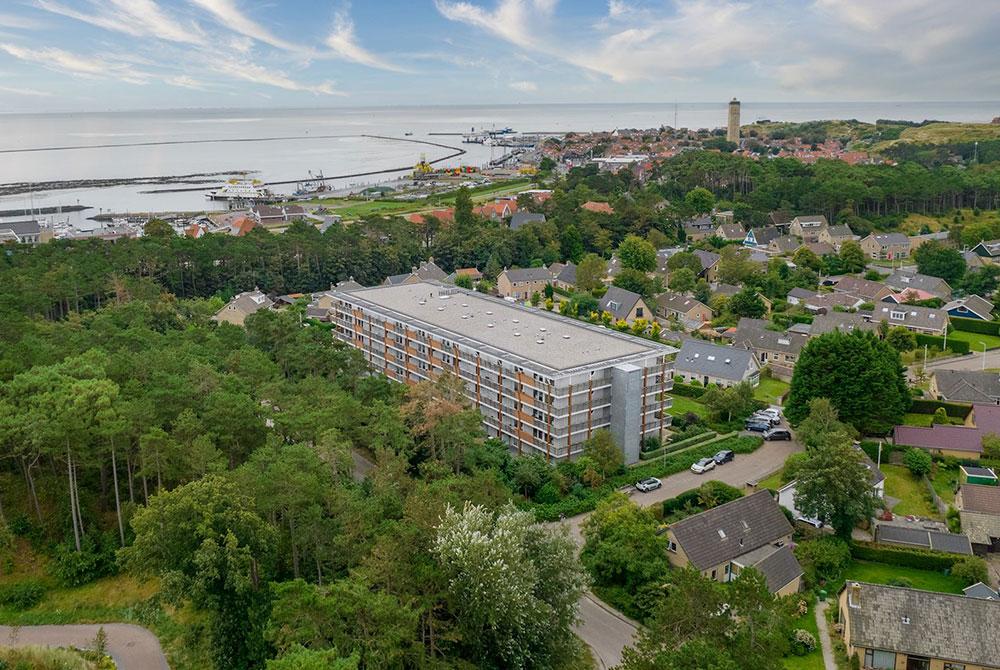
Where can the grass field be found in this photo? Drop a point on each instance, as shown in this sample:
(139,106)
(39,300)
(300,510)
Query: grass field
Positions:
(910,491)
(770,390)
(682,405)
(925,420)
(883,573)
(944,133)
(813,660)
(944,481)
(975,340)
(773,482)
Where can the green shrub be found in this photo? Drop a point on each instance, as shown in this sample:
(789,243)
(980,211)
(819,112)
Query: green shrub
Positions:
(957,346)
(921,559)
(918,462)
(823,559)
(954,519)
(95,559)
(953,409)
(975,326)
(802,642)
(971,569)
(22,595)
(688,390)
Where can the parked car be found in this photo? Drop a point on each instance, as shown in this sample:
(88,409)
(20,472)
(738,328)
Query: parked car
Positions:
(769,419)
(771,412)
(703,466)
(647,485)
(777,434)
(757,426)
(723,456)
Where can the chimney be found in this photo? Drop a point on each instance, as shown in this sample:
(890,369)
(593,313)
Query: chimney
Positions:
(854,595)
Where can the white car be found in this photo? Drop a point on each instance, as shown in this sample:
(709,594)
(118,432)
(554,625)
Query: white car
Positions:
(703,466)
(647,485)
(770,412)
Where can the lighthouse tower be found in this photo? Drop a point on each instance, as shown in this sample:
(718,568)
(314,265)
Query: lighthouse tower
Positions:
(733,131)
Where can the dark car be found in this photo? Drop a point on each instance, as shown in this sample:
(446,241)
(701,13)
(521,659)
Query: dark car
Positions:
(777,434)
(723,456)
(757,426)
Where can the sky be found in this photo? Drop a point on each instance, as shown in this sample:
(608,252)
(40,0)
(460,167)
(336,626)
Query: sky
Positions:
(96,55)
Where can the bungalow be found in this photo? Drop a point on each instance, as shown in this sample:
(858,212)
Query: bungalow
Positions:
(900,281)
(970,386)
(770,347)
(731,232)
(624,305)
(698,229)
(886,246)
(269,215)
(522,283)
(709,264)
(473,274)
(761,237)
(723,366)
(989,251)
(688,311)
(786,244)
(566,277)
(913,317)
(243,305)
(808,227)
(979,510)
(964,442)
(428,270)
(892,627)
(821,248)
(744,533)
(521,219)
(970,307)
(845,322)
(917,240)
(781,218)
(837,235)
(598,207)
(869,291)
(498,210)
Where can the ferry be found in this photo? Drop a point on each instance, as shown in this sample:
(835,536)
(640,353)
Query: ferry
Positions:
(242,189)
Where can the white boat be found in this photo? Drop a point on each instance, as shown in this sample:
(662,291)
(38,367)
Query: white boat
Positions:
(242,189)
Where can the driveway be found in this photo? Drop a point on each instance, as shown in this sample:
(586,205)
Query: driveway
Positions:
(608,631)
(132,647)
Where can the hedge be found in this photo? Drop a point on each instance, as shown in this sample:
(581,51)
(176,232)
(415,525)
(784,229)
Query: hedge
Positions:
(975,325)
(687,390)
(957,346)
(953,409)
(586,499)
(922,559)
(677,446)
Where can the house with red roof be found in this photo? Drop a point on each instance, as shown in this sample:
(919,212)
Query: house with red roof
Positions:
(442,215)
(599,207)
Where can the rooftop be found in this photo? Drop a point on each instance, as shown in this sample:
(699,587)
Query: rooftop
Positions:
(703,358)
(925,539)
(924,623)
(980,498)
(508,330)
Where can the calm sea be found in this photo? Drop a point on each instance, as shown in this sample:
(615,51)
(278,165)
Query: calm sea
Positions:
(331,140)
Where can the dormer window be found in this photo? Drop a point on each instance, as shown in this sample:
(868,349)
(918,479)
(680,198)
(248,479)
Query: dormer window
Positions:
(897,315)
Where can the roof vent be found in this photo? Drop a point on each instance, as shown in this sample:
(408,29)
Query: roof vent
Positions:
(489,313)
(539,341)
(697,355)
(711,358)
(906,620)
(516,320)
(440,309)
(464,305)
(517,334)
(543,329)
(565,337)
(722,534)
(489,325)
(728,361)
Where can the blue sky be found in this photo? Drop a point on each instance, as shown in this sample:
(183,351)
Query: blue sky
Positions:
(69,55)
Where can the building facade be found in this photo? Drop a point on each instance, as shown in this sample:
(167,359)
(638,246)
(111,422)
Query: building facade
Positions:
(542,382)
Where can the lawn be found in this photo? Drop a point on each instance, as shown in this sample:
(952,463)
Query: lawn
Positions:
(975,340)
(682,405)
(925,420)
(770,390)
(883,573)
(910,491)
(944,481)
(813,660)
(773,482)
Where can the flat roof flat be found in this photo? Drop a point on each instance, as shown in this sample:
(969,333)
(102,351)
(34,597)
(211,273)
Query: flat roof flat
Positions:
(512,330)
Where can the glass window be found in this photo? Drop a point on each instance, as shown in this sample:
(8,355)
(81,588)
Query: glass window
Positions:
(880,660)
(954,666)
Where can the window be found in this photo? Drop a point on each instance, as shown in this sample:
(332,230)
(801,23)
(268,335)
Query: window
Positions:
(954,666)
(672,546)
(880,660)
(638,312)
(713,574)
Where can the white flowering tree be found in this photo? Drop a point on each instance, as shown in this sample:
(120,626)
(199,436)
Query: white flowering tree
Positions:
(513,585)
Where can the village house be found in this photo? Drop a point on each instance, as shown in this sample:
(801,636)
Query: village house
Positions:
(786,494)
(917,240)
(521,219)
(695,230)
(970,307)
(901,281)
(922,538)
(971,386)
(731,232)
(808,227)
(869,291)
(821,248)
(706,363)
(473,274)
(845,322)
(709,264)
(598,207)
(270,216)
(772,348)
(496,211)
(837,235)
(963,442)
(822,303)
(750,532)
(522,283)
(988,251)
(243,305)
(785,244)
(428,270)
(689,312)
(898,628)
(761,237)
(23,232)
(565,278)
(624,305)
(886,246)
(978,507)
(913,317)
(439,215)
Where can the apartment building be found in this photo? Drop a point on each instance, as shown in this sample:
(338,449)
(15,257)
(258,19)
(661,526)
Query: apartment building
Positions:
(542,382)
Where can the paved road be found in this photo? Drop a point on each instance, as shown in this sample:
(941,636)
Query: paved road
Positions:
(607,631)
(973,361)
(132,647)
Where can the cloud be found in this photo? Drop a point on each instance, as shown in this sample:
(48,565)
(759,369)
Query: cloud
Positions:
(30,92)
(512,20)
(66,62)
(227,14)
(811,72)
(344,43)
(524,86)
(184,81)
(139,18)
(252,72)
(18,22)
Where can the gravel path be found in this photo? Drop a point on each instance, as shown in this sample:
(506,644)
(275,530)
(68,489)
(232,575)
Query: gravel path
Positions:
(132,647)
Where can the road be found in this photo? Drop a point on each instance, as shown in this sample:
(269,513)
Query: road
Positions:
(973,361)
(607,631)
(132,647)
